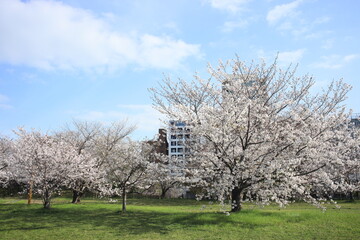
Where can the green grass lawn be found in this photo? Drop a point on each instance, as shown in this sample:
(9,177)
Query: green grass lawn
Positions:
(173,219)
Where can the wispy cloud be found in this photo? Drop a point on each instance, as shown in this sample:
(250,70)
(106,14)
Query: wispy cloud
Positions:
(282,11)
(145,117)
(321,20)
(335,61)
(286,58)
(232,6)
(4,102)
(312,35)
(288,18)
(53,35)
(283,58)
(232,25)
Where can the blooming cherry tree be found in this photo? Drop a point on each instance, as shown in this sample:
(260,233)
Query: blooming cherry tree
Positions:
(93,142)
(5,151)
(165,173)
(81,136)
(43,162)
(124,169)
(351,152)
(258,133)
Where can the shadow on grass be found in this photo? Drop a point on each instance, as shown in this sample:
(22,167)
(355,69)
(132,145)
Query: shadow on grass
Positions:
(134,222)
(164,202)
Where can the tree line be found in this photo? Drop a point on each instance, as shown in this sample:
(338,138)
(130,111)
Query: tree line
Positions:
(86,156)
(258,133)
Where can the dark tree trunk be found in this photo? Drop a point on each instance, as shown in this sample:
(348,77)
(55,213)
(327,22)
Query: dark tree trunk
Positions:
(351,197)
(162,196)
(236,200)
(124,200)
(46,199)
(163,192)
(76,196)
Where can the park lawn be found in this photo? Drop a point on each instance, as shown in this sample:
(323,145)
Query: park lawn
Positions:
(173,219)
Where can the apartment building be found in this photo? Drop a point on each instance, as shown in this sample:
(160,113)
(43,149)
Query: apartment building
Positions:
(177,136)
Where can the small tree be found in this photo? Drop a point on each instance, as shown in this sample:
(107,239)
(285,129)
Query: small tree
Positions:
(124,168)
(93,142)
(43,162)
(165,174)
(110,138)
(81,136)
(258,133)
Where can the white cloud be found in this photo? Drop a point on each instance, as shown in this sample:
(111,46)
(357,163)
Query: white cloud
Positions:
(286,58)
(145,117)
(163,52)
(282,11)
(232,25)
(172,26)
(317,35)
(349,58)
(232,6)
(52,35)
(4,102)
(288,18)
(335,61)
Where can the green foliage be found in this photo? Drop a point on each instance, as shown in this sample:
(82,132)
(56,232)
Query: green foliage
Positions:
(173,219)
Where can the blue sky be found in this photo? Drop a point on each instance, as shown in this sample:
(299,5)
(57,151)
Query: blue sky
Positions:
(95,60)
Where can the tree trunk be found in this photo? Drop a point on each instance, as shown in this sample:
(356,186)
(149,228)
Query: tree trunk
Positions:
(76,196)
(163,192)
(30,192)
(236,200)
(46,199)
(162,196)
(124,200)
(351,197)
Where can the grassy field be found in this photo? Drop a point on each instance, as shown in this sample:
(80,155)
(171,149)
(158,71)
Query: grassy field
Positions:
(173,219)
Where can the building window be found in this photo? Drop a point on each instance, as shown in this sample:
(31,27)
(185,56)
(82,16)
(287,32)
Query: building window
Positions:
(173,136)
(173,143)
(180,150)
(180,124)
(173,150)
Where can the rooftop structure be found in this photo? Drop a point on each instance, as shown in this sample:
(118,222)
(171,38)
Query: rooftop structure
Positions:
(355,118)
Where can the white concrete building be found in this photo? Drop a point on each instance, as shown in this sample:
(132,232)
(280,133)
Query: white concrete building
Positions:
(178,135)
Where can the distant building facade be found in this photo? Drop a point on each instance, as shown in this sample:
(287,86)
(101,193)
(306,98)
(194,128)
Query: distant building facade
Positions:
(177,136)
(355,119)
(355,176)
